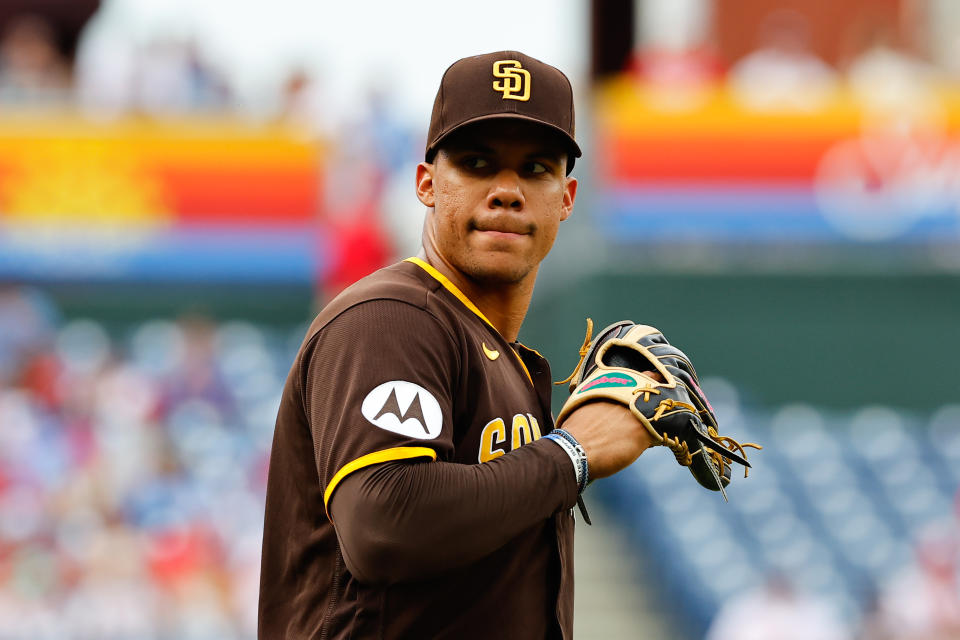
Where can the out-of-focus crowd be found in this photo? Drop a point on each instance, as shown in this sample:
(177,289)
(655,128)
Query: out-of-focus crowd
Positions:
(921,602)
(678,58)
(105,75)
(113,69)
(113,74)
(132,473)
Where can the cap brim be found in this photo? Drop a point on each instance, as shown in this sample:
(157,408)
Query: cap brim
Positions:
(572,147)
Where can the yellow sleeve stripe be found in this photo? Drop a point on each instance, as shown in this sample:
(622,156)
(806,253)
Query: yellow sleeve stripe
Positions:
(452,288)
(377,457)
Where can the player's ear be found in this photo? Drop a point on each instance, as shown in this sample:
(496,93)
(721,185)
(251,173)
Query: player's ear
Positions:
(569,196)
(425,183)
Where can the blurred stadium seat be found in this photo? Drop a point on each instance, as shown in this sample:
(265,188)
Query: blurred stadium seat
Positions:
(834,515)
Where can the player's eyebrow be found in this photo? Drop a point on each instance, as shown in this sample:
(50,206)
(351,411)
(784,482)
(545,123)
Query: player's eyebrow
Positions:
(545,153)
(542,153)
(472,147)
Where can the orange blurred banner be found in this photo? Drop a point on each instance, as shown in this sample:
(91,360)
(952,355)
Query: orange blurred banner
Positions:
(197,172)
(140,198)
(705,166)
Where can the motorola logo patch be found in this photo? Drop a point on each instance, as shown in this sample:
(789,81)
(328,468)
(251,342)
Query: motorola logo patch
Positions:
(405,408)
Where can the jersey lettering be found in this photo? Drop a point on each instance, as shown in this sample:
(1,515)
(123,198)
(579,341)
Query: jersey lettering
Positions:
(521,431)
(494,432)
(525,429)
(534,426)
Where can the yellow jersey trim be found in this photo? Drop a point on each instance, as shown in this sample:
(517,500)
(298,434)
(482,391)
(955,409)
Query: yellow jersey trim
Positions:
(449,286)
(377,457)
(452,288)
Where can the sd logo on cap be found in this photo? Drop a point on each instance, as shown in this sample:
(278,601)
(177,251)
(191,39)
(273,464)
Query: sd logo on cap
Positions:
(516,80)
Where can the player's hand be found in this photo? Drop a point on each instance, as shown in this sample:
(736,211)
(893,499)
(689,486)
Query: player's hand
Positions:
(609,434)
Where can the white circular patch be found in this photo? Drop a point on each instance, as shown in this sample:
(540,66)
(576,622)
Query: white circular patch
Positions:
(405,408)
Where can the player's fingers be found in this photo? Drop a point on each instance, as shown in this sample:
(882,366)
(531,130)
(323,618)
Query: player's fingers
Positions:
(654,374)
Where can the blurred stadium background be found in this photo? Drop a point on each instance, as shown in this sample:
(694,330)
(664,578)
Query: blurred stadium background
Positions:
(776,183)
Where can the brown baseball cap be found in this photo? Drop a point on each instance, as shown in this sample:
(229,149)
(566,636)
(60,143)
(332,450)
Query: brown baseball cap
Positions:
(504,84)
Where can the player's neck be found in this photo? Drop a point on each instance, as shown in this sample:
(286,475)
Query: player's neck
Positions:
(504,305)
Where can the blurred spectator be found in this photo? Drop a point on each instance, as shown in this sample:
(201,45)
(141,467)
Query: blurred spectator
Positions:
(923,602)
(27,320)
(195,373)
(105,64)
(367,158)
(896,89)
(776,611)
(32,69)
(302,104)
(676,57)
(783,73)
(873,625)
(119,71)
(362,246)
(172,78)
(113,597)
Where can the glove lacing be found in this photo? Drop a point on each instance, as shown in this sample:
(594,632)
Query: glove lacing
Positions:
(732,445)
(584,350)
(679,448)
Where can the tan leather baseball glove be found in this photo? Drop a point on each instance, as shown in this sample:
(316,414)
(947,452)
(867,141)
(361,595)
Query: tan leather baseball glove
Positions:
(634,365)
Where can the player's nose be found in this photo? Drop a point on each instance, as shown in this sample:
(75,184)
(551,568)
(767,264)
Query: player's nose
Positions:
(505,192)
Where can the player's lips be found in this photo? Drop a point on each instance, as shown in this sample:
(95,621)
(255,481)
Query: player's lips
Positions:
(503,228)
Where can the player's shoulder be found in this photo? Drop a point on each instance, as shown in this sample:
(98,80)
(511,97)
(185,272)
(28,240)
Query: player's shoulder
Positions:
(401,283)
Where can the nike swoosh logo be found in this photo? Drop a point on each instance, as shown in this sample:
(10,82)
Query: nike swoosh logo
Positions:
(490,353)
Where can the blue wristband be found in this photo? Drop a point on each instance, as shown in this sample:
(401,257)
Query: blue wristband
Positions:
(577,455)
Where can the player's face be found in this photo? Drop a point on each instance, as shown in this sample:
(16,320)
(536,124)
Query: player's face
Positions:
(497,190)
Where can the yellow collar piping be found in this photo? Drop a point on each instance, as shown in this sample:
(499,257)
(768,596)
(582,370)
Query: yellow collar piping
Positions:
(449,286)
(452,288)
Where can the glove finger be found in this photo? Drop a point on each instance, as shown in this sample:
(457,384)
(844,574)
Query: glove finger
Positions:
(670,354)
(615,330)
(697,397)
(652,339)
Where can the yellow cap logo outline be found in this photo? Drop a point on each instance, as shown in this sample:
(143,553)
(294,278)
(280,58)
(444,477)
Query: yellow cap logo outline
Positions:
(515,83)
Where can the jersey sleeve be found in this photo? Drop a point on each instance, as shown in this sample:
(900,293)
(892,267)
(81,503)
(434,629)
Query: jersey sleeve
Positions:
(405,522)
(378,383)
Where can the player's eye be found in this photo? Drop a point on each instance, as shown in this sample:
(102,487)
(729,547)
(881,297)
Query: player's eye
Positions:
(476,162)
(537,167)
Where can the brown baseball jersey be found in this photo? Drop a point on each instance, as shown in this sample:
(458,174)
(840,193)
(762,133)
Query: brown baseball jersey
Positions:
(404,393)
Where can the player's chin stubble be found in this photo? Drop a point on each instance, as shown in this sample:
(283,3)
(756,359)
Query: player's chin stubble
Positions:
(495,271)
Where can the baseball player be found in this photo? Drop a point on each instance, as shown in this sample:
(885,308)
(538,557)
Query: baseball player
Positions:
(417,485)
